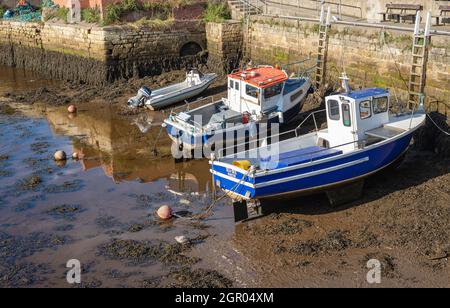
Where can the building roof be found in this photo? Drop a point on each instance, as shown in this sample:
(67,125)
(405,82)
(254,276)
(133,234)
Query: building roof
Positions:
(367,93)
(261,77)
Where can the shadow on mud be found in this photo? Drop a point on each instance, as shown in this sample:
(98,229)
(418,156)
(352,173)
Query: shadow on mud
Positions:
(418,168)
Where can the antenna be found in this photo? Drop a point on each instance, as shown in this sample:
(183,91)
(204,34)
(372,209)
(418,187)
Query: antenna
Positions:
(328,22)
(417,25)
(345,85)
(428,24)
(322,14)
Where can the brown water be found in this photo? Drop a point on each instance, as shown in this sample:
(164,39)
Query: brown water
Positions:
(69,211)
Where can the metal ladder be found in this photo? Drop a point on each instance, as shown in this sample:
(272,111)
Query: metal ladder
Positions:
(418,73)
(322,49)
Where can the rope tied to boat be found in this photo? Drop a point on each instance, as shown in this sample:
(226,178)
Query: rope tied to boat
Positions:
(437,126)
(207,212)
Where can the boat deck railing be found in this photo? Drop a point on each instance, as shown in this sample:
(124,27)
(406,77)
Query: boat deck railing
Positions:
(294,131)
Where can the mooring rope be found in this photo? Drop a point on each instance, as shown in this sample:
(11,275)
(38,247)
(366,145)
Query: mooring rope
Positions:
(207,211)
(437,126)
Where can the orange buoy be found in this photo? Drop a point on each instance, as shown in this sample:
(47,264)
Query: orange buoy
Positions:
(164,212)
(72,109)
(60,155)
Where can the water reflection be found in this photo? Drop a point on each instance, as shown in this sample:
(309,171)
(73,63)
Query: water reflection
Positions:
(124,150)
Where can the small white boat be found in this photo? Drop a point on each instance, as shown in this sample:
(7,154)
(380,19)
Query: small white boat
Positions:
(262,95)
(194,85)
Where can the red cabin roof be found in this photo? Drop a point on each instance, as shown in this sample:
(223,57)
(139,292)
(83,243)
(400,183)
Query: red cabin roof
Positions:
(261,77)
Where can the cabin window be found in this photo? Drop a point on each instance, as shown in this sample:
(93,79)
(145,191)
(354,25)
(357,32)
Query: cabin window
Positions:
(297,95)
(272,91)
(236,86)
(333,109)
(251,91)
(365,110)
(346,115)
(380,104)
(231,84)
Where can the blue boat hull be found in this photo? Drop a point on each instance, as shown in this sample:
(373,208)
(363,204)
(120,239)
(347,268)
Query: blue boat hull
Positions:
(312,176)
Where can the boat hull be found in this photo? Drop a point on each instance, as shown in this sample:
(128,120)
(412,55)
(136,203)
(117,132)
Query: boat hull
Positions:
(173,98)
(311,177)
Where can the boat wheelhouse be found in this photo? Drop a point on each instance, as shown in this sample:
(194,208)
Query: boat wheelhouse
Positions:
(362,138)
(257,95)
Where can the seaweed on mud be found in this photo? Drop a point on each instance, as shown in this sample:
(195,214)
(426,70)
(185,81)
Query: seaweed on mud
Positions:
(65,211)
(31,182)
(19,247)
(143,252)
(335,241)
(67,186)
(148,201)
(197,278)
(388,265)
(40,147)
(90,284)
(289,226)
(107,222)
(6,173)
(116,274)
(64,228)
(133,228)
(23,275)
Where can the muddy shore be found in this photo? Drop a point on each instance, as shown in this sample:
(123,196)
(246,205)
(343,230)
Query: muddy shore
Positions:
(52,213)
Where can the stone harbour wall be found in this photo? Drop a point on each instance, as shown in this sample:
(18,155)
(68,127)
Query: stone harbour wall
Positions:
(101,54)
(224,45)
(372,57)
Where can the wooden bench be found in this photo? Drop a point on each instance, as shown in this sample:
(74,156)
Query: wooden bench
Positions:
(401,12)
(444,15)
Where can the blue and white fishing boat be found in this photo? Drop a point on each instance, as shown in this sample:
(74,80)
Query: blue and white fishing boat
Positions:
(263,94)
(361,139)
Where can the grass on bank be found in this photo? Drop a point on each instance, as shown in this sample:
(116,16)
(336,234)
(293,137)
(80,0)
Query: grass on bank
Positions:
(216,12)
(156,11)
(59,13)
(91,15)
(2,11)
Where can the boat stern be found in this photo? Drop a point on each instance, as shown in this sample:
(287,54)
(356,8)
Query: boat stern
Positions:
(236,179)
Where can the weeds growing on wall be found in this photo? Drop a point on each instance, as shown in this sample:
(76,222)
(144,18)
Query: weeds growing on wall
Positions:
(91,15)
(216,12)
(157,12)
(59,13)
(2,11)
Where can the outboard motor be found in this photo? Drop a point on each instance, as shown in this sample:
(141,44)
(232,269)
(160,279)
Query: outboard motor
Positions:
(143,94)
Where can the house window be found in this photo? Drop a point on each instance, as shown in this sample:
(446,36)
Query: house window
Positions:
(251,91)
(231,84)
(380,104)
(333,109)
(272,91)
(365,110)
(236,86)
(346,117)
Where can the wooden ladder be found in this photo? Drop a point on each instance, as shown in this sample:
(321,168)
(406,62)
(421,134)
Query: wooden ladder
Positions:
(322,51)
(418,74)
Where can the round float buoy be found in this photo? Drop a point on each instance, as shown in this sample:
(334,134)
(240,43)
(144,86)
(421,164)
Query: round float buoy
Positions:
(60,155)
(72,109)
(164,212)
(75,156)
